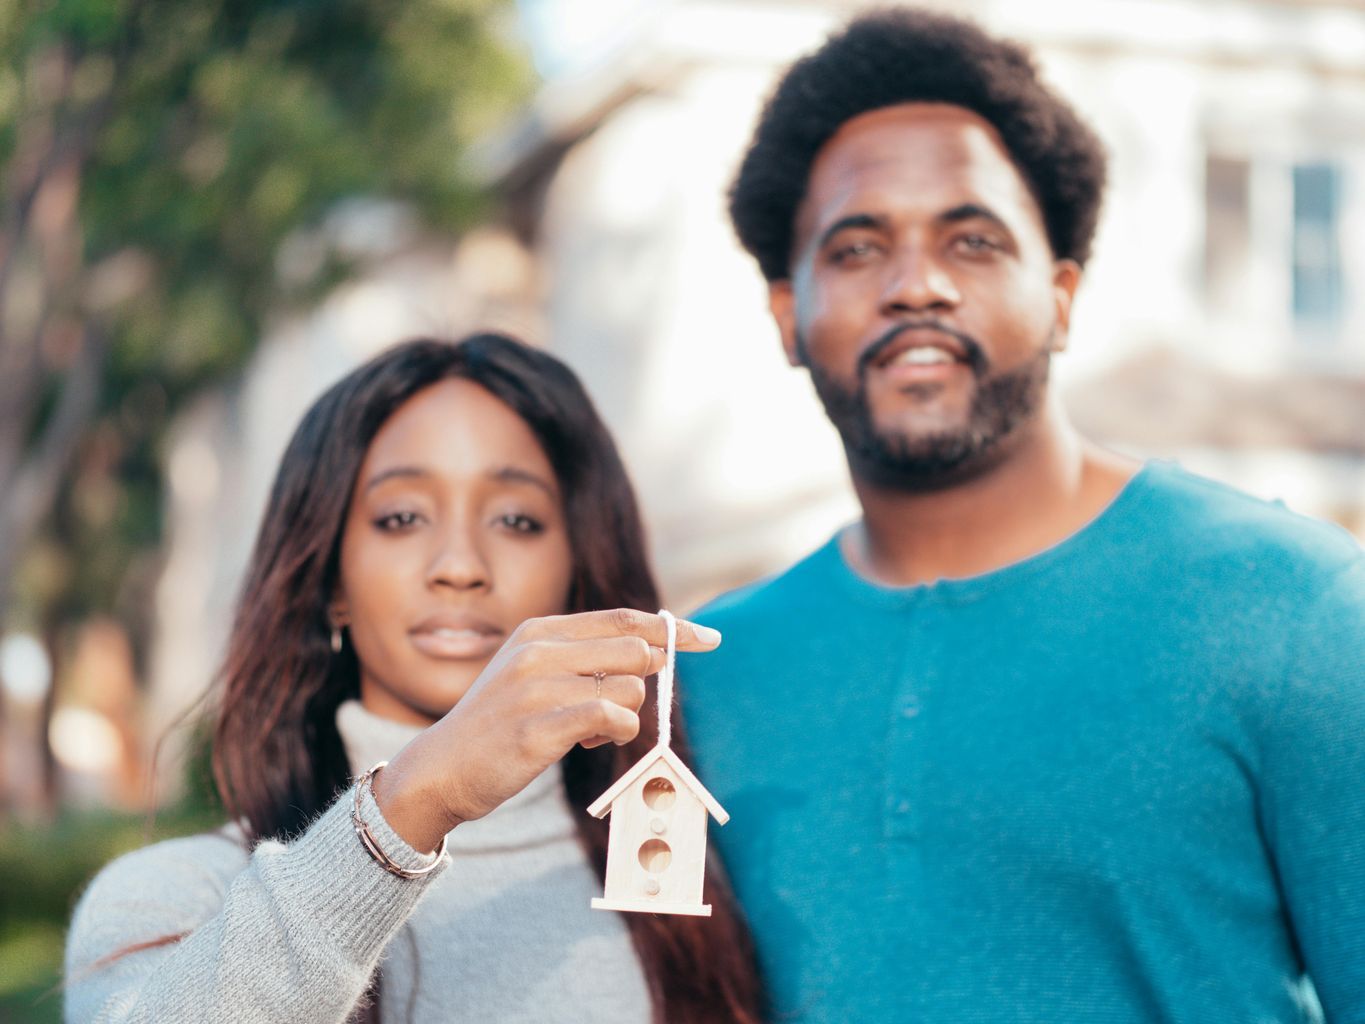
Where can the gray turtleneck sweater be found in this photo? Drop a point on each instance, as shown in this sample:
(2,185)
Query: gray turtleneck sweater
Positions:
(292,932)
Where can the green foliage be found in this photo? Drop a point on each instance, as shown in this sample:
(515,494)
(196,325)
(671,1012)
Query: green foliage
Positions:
(206,133)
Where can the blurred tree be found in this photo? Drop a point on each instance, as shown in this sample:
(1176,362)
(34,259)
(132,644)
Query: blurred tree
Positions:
(154,156)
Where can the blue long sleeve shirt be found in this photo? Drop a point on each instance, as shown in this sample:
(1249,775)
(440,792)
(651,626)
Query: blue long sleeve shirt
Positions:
(1123,780)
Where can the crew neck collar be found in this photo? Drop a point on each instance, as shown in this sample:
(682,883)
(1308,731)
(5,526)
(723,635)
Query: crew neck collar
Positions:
(1133,495)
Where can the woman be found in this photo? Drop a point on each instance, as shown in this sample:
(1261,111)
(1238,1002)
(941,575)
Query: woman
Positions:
(445,529)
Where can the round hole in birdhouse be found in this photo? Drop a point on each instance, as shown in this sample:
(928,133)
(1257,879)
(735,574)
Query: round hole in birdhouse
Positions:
(659,794)
(655,856)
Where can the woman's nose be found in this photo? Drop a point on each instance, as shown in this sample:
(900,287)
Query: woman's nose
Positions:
(459,563)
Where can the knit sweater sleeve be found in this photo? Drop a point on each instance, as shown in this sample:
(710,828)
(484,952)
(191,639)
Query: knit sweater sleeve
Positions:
(290,933)
(1313,796)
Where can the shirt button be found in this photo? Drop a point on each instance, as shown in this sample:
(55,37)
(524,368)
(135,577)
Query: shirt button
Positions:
(910,711)
(902,806)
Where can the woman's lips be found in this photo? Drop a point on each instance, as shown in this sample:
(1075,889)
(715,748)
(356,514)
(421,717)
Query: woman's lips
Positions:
(456,644)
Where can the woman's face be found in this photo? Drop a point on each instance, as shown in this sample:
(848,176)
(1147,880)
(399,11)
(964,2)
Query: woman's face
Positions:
(455,535)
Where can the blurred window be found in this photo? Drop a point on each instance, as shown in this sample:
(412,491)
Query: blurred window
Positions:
(1273,247)
(1317,247)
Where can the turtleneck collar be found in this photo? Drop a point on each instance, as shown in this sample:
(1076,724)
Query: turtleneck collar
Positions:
(538,814)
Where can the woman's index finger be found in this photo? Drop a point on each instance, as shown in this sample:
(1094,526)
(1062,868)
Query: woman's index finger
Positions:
(632,622)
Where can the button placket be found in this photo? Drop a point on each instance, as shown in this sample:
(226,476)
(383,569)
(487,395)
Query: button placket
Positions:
(905,752)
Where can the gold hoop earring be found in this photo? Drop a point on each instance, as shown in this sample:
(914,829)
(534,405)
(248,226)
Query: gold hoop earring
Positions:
(336,639)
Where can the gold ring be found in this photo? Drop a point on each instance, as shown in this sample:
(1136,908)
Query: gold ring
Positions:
(597,678)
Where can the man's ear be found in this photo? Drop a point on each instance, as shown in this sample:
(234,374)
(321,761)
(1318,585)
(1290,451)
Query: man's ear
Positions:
(782,305)
(1066,278)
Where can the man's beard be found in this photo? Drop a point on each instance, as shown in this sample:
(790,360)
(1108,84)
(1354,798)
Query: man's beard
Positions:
(927,462)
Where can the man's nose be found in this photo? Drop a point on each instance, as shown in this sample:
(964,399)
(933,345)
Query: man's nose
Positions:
(916,282)
(459,563)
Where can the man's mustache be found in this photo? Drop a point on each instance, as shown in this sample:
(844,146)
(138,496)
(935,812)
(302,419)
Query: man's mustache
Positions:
(976,355)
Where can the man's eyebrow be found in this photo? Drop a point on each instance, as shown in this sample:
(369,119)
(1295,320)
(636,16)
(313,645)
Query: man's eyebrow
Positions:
(972,211)
(516,475)
(853,220)
(395,471)
(955,215)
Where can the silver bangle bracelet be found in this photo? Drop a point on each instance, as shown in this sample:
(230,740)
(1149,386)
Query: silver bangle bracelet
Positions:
(367,840)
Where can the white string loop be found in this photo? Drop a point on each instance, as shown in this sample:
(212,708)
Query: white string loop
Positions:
(666,679)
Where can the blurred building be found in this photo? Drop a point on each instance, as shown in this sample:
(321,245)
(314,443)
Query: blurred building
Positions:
(1222,321)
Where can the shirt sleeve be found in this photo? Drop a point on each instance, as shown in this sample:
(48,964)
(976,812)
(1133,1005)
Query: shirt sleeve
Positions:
(291,935)
(1313,797)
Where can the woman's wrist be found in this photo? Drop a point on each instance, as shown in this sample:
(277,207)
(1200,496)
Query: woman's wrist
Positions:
(412,808)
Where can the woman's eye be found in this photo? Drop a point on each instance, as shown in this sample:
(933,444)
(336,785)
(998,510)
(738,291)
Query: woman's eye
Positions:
(394,521)
(520,522)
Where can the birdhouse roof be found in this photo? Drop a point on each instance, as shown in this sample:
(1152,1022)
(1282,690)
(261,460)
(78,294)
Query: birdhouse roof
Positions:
(602,804)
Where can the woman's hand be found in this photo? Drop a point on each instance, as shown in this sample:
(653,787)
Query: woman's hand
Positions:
(537,698)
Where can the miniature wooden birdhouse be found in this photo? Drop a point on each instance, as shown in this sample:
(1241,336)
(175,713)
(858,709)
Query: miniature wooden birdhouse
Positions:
(656,852)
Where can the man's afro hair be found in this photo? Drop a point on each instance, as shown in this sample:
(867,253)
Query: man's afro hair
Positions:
(900,55)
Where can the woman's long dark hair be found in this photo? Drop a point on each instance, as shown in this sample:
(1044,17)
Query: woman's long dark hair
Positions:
(278,758)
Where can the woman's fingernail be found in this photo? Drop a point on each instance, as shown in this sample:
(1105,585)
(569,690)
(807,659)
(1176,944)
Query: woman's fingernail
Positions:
(706,634)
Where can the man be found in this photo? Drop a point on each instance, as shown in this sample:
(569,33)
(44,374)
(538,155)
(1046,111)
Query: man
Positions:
(1048,735)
